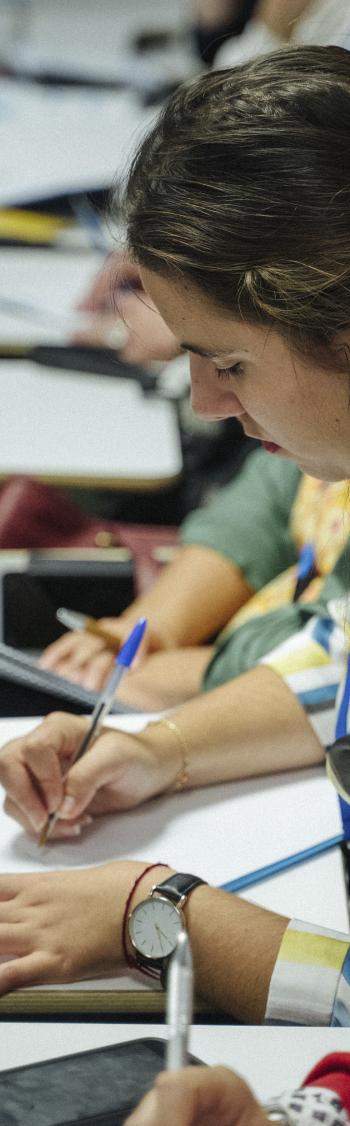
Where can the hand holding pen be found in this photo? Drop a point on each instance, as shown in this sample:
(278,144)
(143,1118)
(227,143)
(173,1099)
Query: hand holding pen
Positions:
(123,662)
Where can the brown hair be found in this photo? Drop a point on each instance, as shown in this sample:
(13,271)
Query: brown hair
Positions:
(243,185)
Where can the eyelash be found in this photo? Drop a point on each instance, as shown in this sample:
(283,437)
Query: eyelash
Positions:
(225,373)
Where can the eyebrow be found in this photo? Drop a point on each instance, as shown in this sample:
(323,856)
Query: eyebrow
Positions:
(209,355)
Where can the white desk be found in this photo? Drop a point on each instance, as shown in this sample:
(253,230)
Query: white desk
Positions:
(61,140)
(79,430)
(65,139)
(218,832)
(75,429)
(269,1059)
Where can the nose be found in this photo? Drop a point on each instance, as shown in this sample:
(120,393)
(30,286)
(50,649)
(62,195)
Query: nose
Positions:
(210,398)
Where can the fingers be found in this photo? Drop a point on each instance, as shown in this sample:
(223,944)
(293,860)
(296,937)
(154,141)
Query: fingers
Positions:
(116,272)
(23,799)
(90,774)
(31,768)
(198,1096)
(96,673)
(135,328)
(103,329)
(71,651)
(81,657)
(31,969)
(62,830)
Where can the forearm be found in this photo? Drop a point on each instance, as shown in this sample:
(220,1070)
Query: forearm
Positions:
(249,726)
(234,946)
(193,598)
(166,679)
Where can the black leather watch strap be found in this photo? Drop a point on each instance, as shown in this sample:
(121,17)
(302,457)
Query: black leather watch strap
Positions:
(179,885)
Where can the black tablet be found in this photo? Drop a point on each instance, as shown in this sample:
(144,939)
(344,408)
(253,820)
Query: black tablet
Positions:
(95,1088)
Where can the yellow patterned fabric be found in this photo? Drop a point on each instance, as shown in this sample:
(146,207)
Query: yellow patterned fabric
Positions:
(310,983)
(320,515)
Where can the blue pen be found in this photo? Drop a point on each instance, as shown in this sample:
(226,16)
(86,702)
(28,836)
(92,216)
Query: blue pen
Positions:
(306,569)
(259,874)
(122,663)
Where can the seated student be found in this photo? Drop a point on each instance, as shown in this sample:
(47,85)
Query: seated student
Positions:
(216,573)
(215,1096)
(273,24)
(270,343)
(195,595)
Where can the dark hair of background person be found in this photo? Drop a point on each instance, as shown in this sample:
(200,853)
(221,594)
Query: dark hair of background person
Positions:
(243,187)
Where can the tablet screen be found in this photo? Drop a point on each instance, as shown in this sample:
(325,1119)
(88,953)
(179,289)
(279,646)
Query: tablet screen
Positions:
(97,1088)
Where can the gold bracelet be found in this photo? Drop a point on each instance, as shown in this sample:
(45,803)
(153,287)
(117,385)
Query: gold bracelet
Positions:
(182,777)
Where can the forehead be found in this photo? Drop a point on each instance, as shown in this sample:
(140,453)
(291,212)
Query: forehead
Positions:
(197,321)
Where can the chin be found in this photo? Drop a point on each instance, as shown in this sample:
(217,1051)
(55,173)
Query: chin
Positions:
(324,472)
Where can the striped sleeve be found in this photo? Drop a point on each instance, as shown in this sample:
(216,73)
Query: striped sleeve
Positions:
(310,984)
(311,662)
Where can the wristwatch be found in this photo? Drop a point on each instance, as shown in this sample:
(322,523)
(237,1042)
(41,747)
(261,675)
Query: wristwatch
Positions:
(155,923)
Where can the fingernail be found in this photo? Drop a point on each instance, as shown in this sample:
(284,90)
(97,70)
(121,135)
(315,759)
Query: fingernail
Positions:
(68,807)
(38,822)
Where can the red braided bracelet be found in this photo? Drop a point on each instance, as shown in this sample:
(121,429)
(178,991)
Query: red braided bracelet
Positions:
(130,960)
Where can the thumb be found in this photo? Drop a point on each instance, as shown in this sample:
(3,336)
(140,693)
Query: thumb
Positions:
(95,769)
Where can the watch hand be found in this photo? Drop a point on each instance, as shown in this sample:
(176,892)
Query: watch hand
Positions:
(162,933)
(159,932)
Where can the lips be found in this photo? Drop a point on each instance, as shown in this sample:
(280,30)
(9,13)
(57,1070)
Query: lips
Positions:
(271,447)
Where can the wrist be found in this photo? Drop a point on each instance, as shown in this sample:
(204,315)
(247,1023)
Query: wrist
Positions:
(144,887)
(139,890)
(153,918)
(167,752)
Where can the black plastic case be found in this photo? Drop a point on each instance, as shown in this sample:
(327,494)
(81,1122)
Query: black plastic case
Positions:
(96,1088)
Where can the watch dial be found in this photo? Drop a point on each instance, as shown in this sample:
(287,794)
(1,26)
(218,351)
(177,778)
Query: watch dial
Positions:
(154,927)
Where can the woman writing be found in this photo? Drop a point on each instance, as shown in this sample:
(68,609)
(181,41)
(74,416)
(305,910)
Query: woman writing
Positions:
(238,215)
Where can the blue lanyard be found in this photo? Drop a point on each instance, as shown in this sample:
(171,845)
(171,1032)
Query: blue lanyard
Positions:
(340,731)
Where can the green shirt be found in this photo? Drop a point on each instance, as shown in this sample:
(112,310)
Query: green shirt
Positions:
(250,524)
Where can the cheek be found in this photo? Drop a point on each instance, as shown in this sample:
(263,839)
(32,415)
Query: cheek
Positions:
(210,397)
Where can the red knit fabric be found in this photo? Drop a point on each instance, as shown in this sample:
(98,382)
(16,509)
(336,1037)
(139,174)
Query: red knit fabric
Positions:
(333,1072)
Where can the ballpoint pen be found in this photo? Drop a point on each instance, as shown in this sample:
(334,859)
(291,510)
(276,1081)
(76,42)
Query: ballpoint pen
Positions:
(122,663)
(306,570)
(179,1003)
(73,620)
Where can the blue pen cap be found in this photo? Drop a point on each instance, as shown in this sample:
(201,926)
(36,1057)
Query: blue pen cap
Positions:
(131,645)
(306,560)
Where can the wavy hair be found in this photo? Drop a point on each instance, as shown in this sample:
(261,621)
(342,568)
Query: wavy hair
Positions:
(243,186)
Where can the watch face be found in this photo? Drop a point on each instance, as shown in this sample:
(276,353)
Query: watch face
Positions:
(154,926)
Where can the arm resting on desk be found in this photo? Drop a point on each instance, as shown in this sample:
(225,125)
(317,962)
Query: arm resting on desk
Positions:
(67,926)
(193,598)
(250,726)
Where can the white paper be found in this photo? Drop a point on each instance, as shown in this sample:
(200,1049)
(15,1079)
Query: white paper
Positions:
(218,832)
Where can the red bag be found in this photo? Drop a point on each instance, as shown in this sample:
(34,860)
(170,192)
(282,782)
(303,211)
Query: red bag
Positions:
(34,515)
